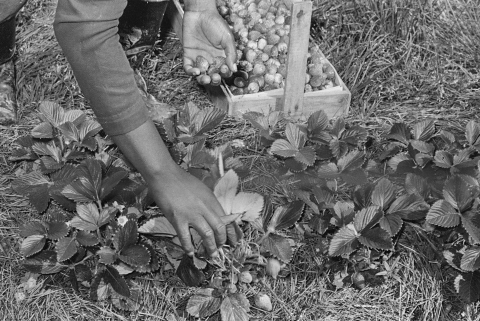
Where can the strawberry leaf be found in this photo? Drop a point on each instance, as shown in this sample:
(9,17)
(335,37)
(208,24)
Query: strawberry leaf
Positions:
(225,190)
(338,127)
(189,273)
(338,147)
(457,193)
(203,304)
(306,156)
(317,123)
(42,130)
(424,130)
(471,259)
(51,112)
(295,166)
(66,248)
(87,217)
(57,230)
(400,132)
(126,235)
(409,207)
(471,223)
(207,119)
(443,214)
(391,223)
(354,177)
(278,246)
(383,193)
(232,310)
(472,134)
(351,161)
(111,180)
(343,214)
(415,184)
(376,238)
(32,228)
(286,216)
(362,196)
(159,226)
(86,238)
(117,282)
(354,135)
(328,171)
(443,159)
(106,255)
(34,186)
(454,255)
(343,242)
(87,186)
(32,245)
(467,285)
(367,218)
(44,262)
(250,205)
(135,255)
(283,148)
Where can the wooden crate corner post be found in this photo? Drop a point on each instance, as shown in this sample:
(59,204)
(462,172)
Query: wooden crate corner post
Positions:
(297,57)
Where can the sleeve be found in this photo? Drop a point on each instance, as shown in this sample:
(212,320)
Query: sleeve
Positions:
(87,31)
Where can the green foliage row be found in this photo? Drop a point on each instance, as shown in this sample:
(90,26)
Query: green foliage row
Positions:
(354,203)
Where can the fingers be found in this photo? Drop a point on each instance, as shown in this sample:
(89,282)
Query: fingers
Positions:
(188,66)
(185,238)
(228,45)
(208,236)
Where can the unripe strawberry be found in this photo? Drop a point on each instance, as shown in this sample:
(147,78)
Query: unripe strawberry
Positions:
(262,43)
(216,79)
(246,65)
(270,16)
(278,78)
(282,47)
(273,267)
(282,57)
(254,35)
(252,44)
(269,78)
(254,18)
(272,9)
(280,20)
(272,62)
(253,88)
(329,71)
(269,23)
(315,69)
(268,49)
(245,277)
(258,69)
(281,32)
(243,34)
(273,39)
(262,301)
(258,79)
(272,69)
(317,58)
(317,81)
(274,51)
(250,55)
(263,4)
(204,79)
(264,57)
(202,64)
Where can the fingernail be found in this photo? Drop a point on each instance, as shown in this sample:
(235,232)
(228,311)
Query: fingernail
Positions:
(234,68)
(214,255)
(190,254)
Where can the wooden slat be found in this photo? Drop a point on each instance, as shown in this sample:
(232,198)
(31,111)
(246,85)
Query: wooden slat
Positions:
(297,56)
(175,15)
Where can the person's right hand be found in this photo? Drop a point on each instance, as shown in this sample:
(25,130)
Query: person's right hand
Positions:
(187,202)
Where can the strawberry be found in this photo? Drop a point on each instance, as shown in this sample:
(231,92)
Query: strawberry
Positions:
(254,35)
(259,69)
(273,39)
(262,301)
(245,277)
(202,64)
(315,69)
(273,266)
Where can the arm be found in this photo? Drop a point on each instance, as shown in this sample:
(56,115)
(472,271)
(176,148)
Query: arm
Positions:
(87,32)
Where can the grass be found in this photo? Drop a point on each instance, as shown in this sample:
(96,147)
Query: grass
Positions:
(402,60)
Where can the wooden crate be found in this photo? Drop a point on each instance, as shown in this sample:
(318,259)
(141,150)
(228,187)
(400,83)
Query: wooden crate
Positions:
(291,99)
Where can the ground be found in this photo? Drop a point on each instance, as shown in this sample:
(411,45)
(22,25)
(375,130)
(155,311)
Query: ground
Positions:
(403,60)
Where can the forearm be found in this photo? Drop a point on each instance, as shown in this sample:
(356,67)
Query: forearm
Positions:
(200,5)
(145,149)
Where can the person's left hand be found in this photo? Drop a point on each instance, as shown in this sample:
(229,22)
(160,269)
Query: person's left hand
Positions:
(206,33)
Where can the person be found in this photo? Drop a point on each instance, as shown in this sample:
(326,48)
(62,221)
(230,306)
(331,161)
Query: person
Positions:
(87,31)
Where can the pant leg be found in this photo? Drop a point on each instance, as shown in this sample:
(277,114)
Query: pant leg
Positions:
(87,31)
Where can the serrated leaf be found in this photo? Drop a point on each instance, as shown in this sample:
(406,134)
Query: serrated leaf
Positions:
(367,218)
(415,184)
(471,223)
(453,256)
(351,161)
(424,130)
(231,310)
(400,132)
(283,148)
(338,127)
(328,171)
(467,285)
(32,228)
(343,214)
(250,205)
(472,133)
(294,166)
(278,246)
(383,194)
(57,230)
(457,193)
(396,160)
(32,245)
(343,242)
(295,136)
(66,248)
(354,135)
(338,147)
(422,147)
(354,177)
(42,130)
(471,259)
(111,180)
(35,186)
(126,235)
(203,304)
(135,255)
(207,119)
(443,214)
(443,159)
(52,112)
(225,190)
(362,196)
(89,128)
(106,255)
(189,273)
(317,122)
(306,156)
(286,216)
(44,262)
(376,238)
(117,282)
(86,238)
(159,226)
(83,272)
(87,217)
(391,223)
(87,186)
(409,207)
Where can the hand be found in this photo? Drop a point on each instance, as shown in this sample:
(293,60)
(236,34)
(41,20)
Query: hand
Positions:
(206,33)
(187,202)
